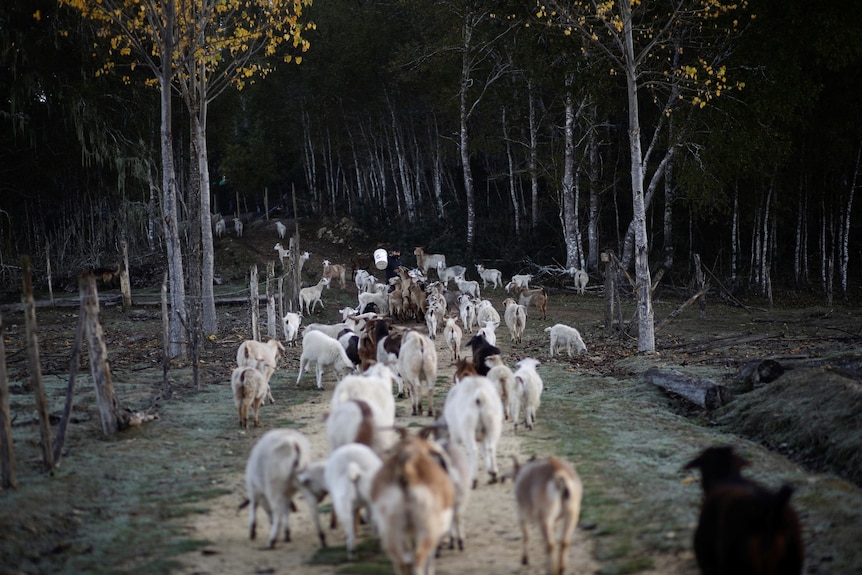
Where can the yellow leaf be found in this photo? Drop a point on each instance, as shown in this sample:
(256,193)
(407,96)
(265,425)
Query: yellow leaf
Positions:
(37,15)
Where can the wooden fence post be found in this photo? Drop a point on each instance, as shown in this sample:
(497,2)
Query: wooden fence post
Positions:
(48,272)
(29,307)
(270,300)
(7,449)
(109,409)
(253,296)
(125,283)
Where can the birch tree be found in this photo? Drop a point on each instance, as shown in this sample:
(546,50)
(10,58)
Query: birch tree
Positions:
(639,40)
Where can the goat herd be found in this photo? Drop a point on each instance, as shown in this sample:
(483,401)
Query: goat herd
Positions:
(414,487)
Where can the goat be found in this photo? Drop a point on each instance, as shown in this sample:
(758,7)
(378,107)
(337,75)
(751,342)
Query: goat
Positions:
(220,227)
(310,296)
(373,387)
(516,319)
(417,364)
(561,335)
(504,380)
(489,332)
(548,491)
(332,330)
(303,257)
(360,263)
(536,297)
(351,421)
(481,350)
(333,271)
(281,228)
(381,300)
(350,471)
(262,356)
(413,501)
(290,326)
(450,273)
(312,484)
(249,391)
(364,281)
(470,287)
(485,312)
(463,368)
(424,261)
(432,317)
(350,342)
(271,478)
(452,334)
(581,279)
(281,252)
(237,226)
(744,528)
(474,412)
(520,280)
(490,275)
(467,310)
(325,352)
(530,388)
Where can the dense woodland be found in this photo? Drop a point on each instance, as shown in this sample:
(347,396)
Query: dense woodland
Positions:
(497,132)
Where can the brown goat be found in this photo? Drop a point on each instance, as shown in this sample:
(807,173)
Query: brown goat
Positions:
(413,500)
(744,528)
(533,296)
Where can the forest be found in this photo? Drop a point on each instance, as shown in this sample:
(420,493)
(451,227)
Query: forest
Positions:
(508,132)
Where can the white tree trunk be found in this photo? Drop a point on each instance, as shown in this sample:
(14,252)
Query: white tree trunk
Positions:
(568,211)
(534,159)
(512,195)
(845,234)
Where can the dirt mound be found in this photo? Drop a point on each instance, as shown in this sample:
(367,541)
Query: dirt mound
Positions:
(809,414)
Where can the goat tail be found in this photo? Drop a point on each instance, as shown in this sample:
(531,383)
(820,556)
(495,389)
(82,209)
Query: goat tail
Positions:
(562,484)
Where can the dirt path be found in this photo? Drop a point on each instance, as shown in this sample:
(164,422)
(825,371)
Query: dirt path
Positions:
(493,542)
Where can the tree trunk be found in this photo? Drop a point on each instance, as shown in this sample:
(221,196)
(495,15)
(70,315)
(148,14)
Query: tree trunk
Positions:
(669,193)
(7,448)
(513,197)
(701,392)
(845,234)
(464,141)
(734,236)
(646,319)
(534,159)
(593,222)
(166,341)
(195,233)
(170,215)
(568,209)
(253,303)
(208,309)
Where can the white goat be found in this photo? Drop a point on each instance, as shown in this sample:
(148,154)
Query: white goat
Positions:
(549,491)
(561,335)
(485,312)
(326,352)
(474,412)
(520,280)
(333,271)
(417,364)
(249,391)
(452,334)
(381,300)
(261,356)
(490,275)
(445,274)
(413,503)
(432,321)
(374,385)
(350,470)
(281,252)
(530,388)
(282,229)
(271,478)
(290,326)
(364,281)
(581,279)
(489,332)
(312,484)
(467,311)
(516,319)
(351,422)
(237,226)
(310,296)
(504,380)
(425,261)
(220,227)
(332,330)
(303,257)
(470,287)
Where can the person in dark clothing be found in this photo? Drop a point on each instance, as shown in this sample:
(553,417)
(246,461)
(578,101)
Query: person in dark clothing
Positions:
(393,263)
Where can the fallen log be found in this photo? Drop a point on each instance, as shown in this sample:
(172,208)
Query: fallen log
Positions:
(701,392)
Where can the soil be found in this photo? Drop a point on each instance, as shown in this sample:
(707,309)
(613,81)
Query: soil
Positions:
(164,497)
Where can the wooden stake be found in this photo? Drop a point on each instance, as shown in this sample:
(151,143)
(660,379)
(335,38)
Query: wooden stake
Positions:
(270,300)
(254,295)
(100,370)
(125,283)
(48,273)
(29,307)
